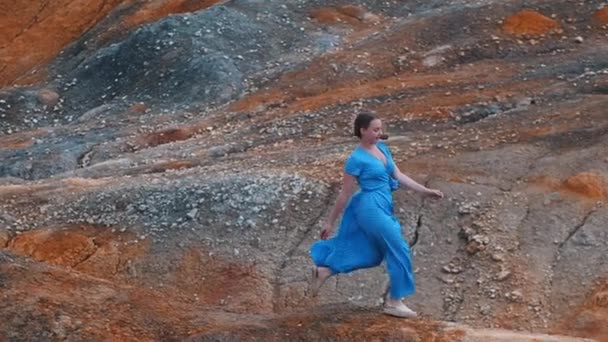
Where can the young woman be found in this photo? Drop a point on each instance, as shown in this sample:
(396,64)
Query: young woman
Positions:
(368,232)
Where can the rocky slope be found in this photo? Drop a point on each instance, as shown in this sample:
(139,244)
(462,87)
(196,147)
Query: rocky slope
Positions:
(166,165)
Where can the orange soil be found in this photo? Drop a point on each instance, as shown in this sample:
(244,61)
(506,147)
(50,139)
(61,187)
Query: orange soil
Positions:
(601,16)
(590,320)
(528,22)
(32,33)
(19,140)
(138,108)
(165,136)
(174,165)
(210,279)
(345,93)
(55,247)
(585,185)
(44,190)
(348,14)
(158,9)
(109,311)
(97,251)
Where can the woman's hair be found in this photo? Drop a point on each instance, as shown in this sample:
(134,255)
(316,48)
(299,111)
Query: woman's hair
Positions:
(362,121)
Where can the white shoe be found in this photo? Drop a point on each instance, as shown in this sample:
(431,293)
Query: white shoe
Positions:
(400,310)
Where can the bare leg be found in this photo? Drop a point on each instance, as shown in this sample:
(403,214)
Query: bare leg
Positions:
(319,275)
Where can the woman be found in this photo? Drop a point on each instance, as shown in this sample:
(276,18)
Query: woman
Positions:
(368,233)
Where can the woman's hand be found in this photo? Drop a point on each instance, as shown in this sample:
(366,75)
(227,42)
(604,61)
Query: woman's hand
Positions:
(434,193)
(327,231)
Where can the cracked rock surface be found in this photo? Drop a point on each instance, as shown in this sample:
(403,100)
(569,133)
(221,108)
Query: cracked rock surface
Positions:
(165,166)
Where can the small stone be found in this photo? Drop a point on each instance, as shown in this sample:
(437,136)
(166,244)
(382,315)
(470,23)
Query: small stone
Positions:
(446,280)
(514,296)
(48,97)
(452,269)
(578,39)
(502,275)
(473,247)
(485,310)
(498,257)
(192,213)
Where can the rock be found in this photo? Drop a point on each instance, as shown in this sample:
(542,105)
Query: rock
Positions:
(192,213)
(578,39)
(218,151)
(468,208)
(498,257)
(514,296)
(454,269)
(485,310)
(48,97)
(473,247)
(503,275)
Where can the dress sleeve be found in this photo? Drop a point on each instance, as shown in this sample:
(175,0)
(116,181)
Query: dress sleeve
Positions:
(352,166)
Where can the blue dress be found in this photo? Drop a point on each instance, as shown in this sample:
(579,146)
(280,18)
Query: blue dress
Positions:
(368,231)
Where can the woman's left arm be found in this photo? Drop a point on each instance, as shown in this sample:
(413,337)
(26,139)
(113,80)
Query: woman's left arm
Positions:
(412,184)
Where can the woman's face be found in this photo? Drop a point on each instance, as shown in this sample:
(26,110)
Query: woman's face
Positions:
(372,133)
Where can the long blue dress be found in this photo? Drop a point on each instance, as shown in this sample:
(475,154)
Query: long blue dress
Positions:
(369,232)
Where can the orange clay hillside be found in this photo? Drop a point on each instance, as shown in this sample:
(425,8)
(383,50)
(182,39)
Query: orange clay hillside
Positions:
(529,22)
(166,166)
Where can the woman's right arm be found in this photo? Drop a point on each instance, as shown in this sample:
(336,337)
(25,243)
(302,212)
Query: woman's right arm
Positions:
(348,187)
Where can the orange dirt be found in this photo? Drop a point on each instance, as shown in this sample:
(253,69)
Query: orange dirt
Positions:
(601,16)
(344,93)
(138,108)
(590,320)
(210,279)
(113,311)
(174,165)
(348,14)
(92,250)
(32,33)
(586,184)
(157,9)
(165,136)
(65,248)
(529,22)
(19,140)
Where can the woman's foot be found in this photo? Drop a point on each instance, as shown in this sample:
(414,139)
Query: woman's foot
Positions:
(319,276)
(387,288)
(395,307)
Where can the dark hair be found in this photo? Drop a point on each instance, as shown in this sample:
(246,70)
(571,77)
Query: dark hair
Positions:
(362,121)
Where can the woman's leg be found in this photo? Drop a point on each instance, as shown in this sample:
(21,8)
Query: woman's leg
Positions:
(386,232)
(351,249)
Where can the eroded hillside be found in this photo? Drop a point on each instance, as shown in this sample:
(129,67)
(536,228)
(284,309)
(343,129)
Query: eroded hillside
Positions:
(167,164)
